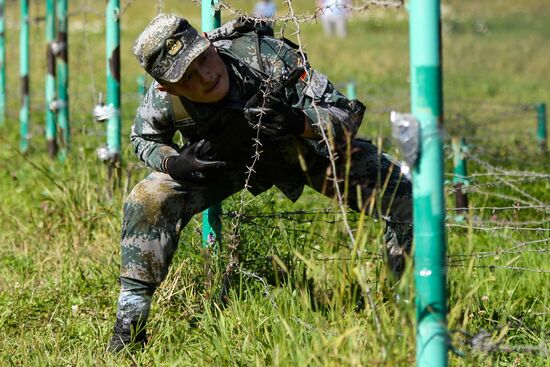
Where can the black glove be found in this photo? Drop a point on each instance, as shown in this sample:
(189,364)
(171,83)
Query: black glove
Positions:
(190,165)
(274,117)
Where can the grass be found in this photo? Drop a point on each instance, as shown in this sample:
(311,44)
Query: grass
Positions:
(60,226)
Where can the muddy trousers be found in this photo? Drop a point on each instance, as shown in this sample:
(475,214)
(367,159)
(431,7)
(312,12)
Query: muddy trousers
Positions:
(159,207)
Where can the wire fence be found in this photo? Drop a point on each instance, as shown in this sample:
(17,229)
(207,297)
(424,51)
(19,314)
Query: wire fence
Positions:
(478,113)
(489,181)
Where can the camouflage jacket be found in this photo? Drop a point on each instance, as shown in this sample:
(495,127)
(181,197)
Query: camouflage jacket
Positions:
(283,159)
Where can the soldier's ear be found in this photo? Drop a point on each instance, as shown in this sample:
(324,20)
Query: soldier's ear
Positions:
(165,88)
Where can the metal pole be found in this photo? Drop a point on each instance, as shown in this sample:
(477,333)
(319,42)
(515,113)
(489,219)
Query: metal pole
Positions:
(211,217)
(24,113)
(211,18)
(542,134)
(2,64)
(460,179)
(51,128)
(351,90)
(113,88)
(140,80)
(428,199)
(63,77)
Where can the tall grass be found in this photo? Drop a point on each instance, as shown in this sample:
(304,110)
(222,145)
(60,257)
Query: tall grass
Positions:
(300,296)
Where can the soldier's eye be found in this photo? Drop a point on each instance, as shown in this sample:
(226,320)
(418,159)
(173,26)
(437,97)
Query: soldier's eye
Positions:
(187,76)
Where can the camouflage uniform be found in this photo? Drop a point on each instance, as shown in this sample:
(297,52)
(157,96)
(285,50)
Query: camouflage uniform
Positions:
(159,207)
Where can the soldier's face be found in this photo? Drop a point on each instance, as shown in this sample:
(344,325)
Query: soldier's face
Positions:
(206,80)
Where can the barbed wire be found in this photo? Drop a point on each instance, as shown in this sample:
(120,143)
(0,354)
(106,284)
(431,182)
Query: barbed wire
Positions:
(127,4)
(500,208)
(510,223)
(492,104)
(482,342)
(493,267)
(453,261)
(495,228)
(331,211)
(311,217)
(500,172)
(511,250)
(291,16)
(476,186)
(294,19)
(266,286)
(520,174)
(332,156)
(525,202)
(479,342)
(540,208)
(504,178)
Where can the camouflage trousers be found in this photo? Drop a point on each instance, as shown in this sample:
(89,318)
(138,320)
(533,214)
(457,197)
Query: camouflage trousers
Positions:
(159,207)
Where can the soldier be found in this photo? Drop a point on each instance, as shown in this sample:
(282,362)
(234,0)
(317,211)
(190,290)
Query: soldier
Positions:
(223,91)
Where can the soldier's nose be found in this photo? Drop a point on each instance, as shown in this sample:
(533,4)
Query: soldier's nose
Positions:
(206,76)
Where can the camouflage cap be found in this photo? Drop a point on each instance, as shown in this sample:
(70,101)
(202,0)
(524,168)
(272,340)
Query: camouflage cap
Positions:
(167,46)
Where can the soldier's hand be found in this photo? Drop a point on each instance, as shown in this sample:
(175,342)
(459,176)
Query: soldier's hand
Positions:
(191,165)
(275,117)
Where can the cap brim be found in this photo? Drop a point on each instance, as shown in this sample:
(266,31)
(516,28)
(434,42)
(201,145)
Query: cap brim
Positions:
(185,58)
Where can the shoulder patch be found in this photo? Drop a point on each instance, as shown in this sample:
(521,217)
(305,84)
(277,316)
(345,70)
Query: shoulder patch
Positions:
(316,85)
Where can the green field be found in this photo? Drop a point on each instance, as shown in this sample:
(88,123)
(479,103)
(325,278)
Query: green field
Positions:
(60,223)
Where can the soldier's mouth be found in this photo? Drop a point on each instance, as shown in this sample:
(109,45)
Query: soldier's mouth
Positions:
(214,86)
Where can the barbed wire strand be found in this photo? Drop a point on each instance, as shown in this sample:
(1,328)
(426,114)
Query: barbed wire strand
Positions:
(294,19)
(510,250)
(481,342)
(490,167)
(121,11)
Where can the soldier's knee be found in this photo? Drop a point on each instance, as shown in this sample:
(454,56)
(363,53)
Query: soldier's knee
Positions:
(147,200)
(150,229)
(149,193)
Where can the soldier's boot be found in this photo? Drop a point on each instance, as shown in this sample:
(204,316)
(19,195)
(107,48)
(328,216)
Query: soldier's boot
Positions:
(129,335)
(134,304)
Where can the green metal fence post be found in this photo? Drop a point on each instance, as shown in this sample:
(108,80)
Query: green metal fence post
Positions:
(428,199)
(351,90)
(211,217)
(542,134)
(460,179)
(51,125)
(140,80)
(63,77)
(24,113)
(2,63)
(113,88)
